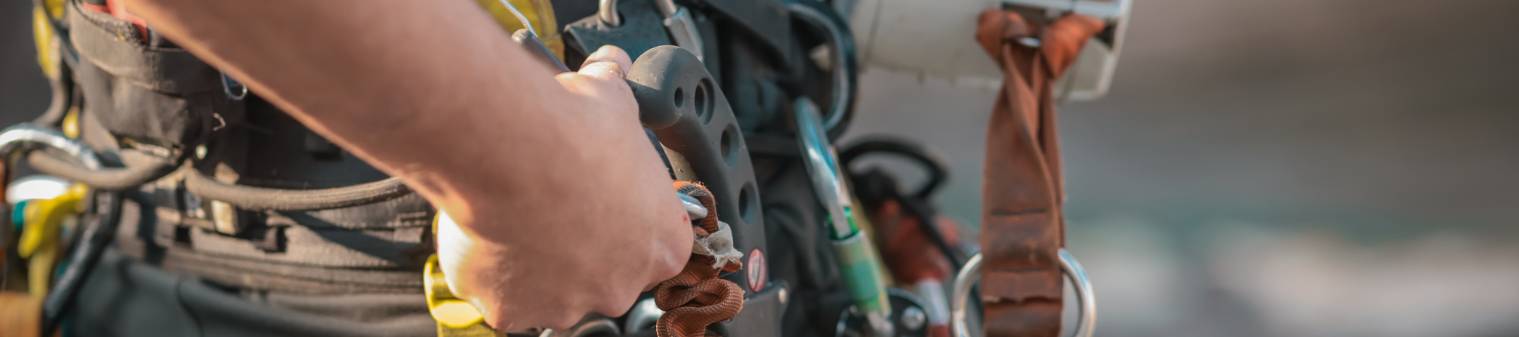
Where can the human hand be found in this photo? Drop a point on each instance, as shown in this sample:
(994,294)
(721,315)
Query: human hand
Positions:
(606,227)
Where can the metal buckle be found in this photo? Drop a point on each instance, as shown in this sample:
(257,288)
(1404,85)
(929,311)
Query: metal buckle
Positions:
(1068,265)
(28,136)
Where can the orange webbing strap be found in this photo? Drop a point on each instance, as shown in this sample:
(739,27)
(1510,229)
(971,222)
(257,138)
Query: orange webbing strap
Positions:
(696,297)
(20,315)
(1023,229)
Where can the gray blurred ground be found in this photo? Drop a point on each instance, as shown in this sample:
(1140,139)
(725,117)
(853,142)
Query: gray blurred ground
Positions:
(1261,168)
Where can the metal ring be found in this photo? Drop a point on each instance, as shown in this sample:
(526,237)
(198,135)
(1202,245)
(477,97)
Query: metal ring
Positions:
(1068,265)
(843,69)
(607,11)
(21,136)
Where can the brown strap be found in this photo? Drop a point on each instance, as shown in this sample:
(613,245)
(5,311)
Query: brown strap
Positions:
(22,316)
(1023,229)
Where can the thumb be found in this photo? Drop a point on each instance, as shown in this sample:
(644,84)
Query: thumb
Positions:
(608,63)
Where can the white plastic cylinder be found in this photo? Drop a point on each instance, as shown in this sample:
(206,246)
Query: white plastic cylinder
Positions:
(936,39)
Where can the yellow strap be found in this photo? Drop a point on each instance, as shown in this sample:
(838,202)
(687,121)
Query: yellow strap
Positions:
(455,317)
(42,223)
(42,35)
(539,12)
(71,122)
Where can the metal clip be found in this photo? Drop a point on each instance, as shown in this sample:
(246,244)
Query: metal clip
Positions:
(693,206)
(682,27)
(233,89)
(842,67)
(28,136)
(1068,265)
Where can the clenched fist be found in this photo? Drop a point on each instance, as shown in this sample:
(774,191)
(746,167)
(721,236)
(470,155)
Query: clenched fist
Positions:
(591,237)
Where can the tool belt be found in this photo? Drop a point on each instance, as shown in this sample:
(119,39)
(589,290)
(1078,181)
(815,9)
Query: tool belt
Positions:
(143,94)
(243,195)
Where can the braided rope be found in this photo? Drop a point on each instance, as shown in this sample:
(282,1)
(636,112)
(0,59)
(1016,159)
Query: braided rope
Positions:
(697,298)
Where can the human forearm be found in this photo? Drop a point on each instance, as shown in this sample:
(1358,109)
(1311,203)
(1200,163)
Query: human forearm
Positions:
(418,88)
(530,165)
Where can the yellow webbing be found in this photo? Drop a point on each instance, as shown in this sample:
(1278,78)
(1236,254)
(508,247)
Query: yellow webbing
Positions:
(539,12)
(455,317)
(42,35)
(43,222)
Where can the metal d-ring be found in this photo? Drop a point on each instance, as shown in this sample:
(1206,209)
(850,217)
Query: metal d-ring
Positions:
(606,10)
(25,136)
(1068,265)
(842,69)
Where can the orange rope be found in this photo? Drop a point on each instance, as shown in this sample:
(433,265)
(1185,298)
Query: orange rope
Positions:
(697,298)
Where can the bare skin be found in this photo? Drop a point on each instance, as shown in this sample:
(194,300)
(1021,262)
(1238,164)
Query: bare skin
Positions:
(564,205)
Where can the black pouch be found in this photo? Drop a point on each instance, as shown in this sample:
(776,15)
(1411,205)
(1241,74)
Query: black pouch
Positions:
(145,94)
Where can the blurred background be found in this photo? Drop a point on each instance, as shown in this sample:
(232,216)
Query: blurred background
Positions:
(1277,168)
(1260,168)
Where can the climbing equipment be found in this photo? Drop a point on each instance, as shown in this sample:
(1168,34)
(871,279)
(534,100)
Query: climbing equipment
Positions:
(697,298)
(243,196)
(920,248)
(539,15)
(677,20)
(455,317)
(1023,227)
(691,300)
(1087,310)
(26,138)
(856,253)
(42,224)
